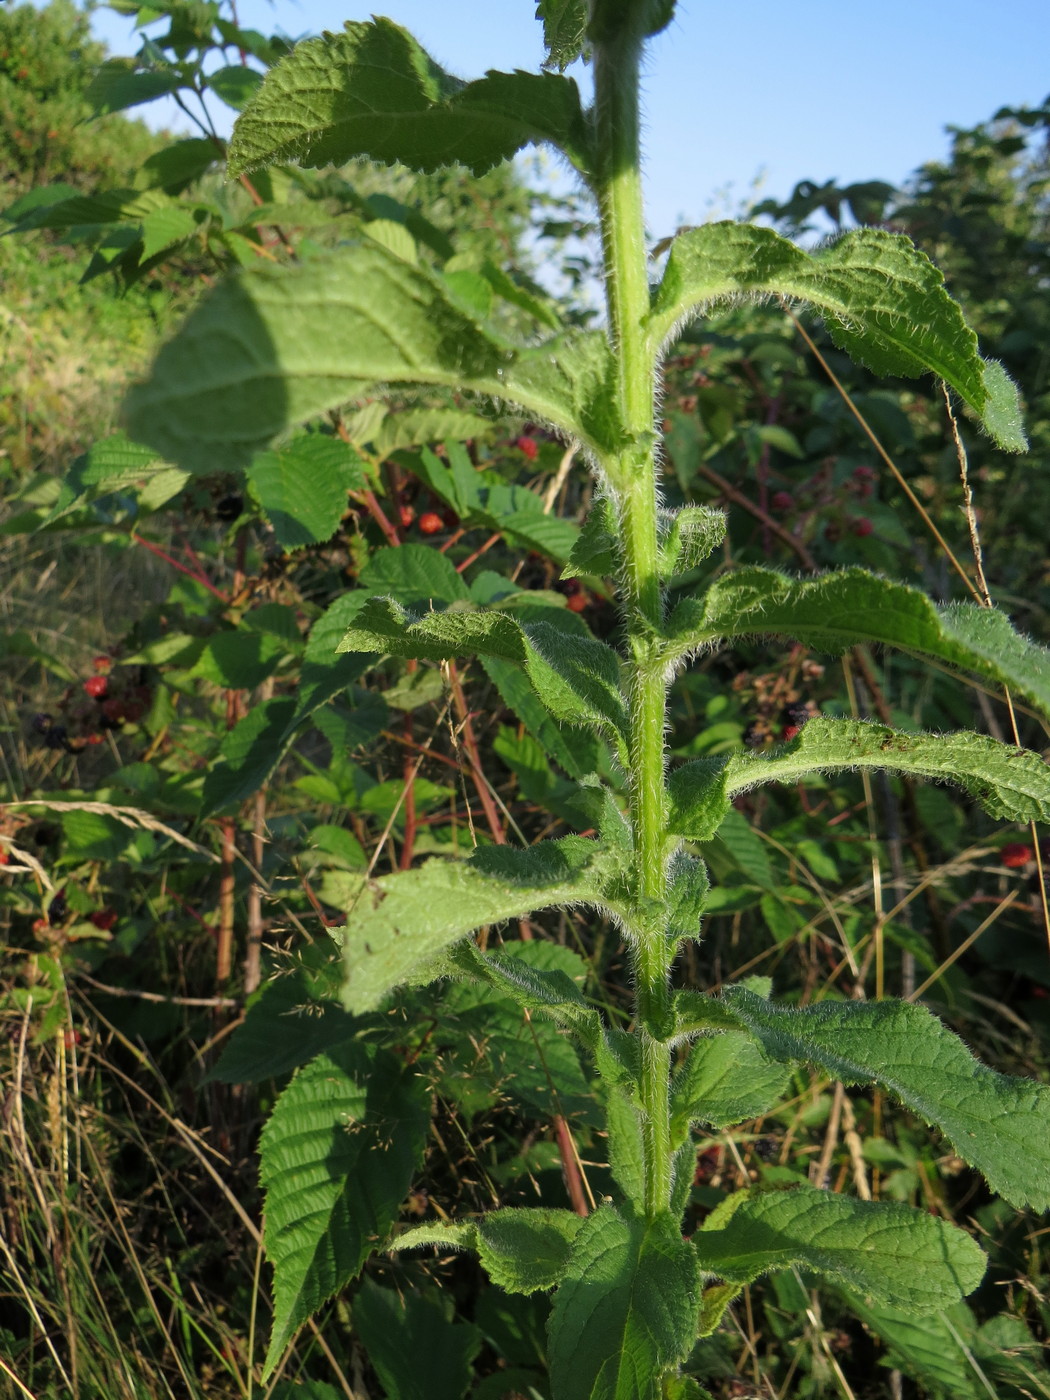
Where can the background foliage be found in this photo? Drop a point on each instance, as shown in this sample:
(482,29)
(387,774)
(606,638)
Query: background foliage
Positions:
(192,793)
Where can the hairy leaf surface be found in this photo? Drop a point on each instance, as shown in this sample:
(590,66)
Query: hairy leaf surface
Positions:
(398,924)
(836,611)
(887,1252)
(883,300)
(276,346)
(372,91)
(725,1079)
(522,1251)
(998,1123)
(1010,784)
(626,1310)
(576,677)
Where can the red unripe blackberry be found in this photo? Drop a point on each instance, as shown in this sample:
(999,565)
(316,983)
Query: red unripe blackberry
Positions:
(577,602)
(96,687)
(1016,854)
(430,523)
(406,515)
(862,526)
(782,500)
(529,446)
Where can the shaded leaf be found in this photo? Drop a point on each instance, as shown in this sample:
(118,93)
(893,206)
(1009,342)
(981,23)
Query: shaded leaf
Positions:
(302,487)
(576,677)
(336,1159)
(248,755)
(276,346)
(416,1348)
(292,1020)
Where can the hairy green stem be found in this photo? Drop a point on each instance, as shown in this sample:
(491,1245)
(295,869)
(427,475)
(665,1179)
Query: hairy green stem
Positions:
(617,54)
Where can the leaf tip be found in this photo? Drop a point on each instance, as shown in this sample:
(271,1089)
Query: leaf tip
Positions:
(1001,414)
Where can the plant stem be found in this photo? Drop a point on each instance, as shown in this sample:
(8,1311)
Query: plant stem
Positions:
(617,54)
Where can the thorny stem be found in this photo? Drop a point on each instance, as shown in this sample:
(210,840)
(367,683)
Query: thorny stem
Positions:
(632,474)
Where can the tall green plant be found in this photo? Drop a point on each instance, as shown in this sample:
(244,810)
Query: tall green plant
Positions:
(280,345)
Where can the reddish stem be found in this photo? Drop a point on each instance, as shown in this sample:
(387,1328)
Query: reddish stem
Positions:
(570,1166)
(190,573)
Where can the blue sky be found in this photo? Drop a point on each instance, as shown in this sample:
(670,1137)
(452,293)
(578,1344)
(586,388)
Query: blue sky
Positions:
(754,89)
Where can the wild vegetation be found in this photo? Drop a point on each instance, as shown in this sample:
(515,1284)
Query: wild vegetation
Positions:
(394,699)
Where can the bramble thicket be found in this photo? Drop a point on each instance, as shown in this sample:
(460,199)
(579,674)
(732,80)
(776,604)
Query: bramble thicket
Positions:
(522,872)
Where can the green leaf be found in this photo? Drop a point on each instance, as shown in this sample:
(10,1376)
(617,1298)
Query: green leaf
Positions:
(564,31)
(324,674)
(688,885)
(1010,784)
(889,1253)
(302,487)
(178,165)
(688,536)
(117,86)
(543,990)
(291,1021)
(416,426)
(577,752)
(235,85)
(416,1349)
(110,465)
(998,1123)
(884,303)
(415,574)
(372,91)
(837,611)
(94,835)
(726,1079)
(163,228)
(522,1251)
(546,534)
(239,660)
(626,1311)
(955,1359)
(248,755)
(596,550)
(398,924)
(576,677)
(336,1160)
(626,1144)
(492,1052)
(276,346)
